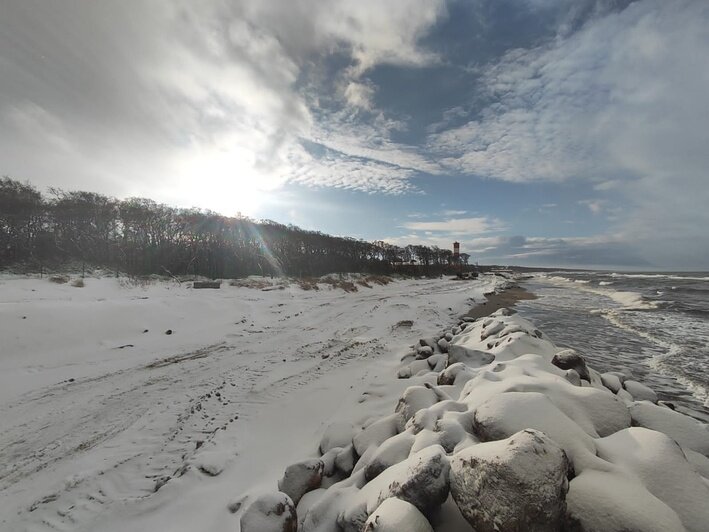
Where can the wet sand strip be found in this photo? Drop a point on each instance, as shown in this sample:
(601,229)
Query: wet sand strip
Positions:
(506,298)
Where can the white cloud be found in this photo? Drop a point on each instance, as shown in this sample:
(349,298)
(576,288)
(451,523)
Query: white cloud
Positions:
(458,226)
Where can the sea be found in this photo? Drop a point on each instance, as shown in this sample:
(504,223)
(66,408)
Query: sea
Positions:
(654,324)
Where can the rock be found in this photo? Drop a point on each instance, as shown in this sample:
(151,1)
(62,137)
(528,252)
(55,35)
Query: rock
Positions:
(301,478)
(336,435)
(429,342)
(271,512)
(511,485)
(345,460)
(438,362)
(395,515)
(448,336)
(470,357)
(168,332)
(573,377)
(443,345)
(376,433)
(421,480)
(570,359)
(600,501)
(612,382)
(424,352)
(688,432)
(414,399)
(457,373)
(639,391)
(396,449)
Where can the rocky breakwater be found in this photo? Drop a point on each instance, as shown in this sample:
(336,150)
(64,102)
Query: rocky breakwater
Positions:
(501,430)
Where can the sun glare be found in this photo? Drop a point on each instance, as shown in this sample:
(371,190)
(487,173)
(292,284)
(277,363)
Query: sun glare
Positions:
(225,182)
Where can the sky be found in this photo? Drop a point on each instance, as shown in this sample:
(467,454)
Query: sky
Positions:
(536,132)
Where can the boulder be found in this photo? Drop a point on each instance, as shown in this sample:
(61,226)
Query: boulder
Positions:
(470,357)
(639,391)
(271,512)
(443,345)
(376,433)
(457,373)
(423,352)
(414,399)
(395,515)
(301,478)
(570,359)
(396,449)
(612,382)
(688,432)
(336,435)
(430,342)
(421,480)
(511,485)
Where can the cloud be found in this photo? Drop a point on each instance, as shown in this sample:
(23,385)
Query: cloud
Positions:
(458,226)
(175,97)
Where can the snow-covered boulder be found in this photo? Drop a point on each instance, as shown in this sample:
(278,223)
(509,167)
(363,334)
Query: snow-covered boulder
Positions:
(395,515)
(659,463)
(421,480)
(570,359)
(336,435)
(688,432)
(376,433)
(470,357)
(394,450)
(639,391)
(414,399)
(508,413)
(511,485)
(612,382)
(424,352)
(604,501)
(301,478)
(271,512)
(443,345)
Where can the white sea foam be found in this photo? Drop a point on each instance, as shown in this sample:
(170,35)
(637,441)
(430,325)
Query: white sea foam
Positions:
(658,276)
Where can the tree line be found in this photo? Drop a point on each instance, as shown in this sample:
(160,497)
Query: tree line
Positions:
(138,236)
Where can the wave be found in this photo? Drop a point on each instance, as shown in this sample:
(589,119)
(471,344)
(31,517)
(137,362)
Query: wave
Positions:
(659,276)
(665,363)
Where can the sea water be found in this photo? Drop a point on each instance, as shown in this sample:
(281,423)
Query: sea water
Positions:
(656,325)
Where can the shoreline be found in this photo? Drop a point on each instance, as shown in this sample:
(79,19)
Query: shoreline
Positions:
(497,300)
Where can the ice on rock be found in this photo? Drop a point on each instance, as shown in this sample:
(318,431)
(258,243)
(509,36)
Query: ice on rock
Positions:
(301,478)
(688,432)
(271,512)
(395,515)
(511,485)
(639,391)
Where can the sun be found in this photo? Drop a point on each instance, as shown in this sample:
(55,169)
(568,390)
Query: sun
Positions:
(227,182)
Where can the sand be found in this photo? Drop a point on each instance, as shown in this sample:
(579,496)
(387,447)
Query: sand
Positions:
(497,300)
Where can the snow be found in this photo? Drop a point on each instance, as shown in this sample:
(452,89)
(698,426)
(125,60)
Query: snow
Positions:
(95,413)
(140,431)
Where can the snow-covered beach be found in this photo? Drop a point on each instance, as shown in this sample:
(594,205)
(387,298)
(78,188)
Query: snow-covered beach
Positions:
(98,405)
(109,423)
